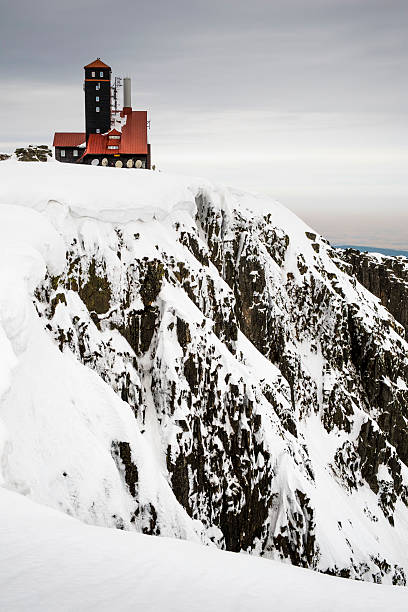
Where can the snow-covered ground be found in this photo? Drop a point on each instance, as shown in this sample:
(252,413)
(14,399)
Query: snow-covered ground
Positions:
(96,192)
(52,563)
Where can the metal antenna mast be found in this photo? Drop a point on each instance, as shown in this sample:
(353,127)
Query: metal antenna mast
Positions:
(114,95)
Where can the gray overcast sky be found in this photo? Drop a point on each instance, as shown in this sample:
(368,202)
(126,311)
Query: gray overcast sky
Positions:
(303,99)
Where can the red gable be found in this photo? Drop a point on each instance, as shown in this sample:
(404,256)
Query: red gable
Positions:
(69,139)
(98,63)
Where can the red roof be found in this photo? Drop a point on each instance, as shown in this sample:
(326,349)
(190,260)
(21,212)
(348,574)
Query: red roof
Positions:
(114,133)
(98,63)
(97,145)
(69,139)
(134,133)
(133,138)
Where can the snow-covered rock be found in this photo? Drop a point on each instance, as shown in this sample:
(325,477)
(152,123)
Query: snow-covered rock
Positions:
(184,359)
(383,275)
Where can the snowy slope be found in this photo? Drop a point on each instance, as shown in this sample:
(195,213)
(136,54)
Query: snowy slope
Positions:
(59,419)
(184,359)
(52,562)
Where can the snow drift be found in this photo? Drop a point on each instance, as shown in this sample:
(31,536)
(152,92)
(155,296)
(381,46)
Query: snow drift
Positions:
(52,562)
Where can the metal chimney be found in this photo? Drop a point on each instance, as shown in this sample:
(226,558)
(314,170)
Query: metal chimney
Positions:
(127,93)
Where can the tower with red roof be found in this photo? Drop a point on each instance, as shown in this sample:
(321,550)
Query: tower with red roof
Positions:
(97,87)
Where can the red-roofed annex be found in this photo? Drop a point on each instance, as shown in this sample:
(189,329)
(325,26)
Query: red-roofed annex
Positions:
(69,139)
(112,137)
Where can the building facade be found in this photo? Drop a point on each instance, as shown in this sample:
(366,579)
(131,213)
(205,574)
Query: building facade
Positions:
(112,137)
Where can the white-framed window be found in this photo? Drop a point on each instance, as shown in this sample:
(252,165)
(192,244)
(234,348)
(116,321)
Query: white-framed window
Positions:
(93,73)
(97,99)
(114,137)
(97,109)
(62,152)
(101,74)
(98,131)
(113,147)
(75,152)
(98,86)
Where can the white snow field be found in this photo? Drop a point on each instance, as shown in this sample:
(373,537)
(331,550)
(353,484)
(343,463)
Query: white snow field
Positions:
(50,562)
(58,419)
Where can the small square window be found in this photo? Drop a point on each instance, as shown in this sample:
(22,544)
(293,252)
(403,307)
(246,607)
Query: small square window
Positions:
(93,74)
(97,109)
(101,74)
(98,86)
(75,153)
(62,152)
(97,99)
(98,131)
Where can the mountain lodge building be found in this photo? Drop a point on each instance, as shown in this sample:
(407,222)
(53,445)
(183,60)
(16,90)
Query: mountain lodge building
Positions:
(112,137)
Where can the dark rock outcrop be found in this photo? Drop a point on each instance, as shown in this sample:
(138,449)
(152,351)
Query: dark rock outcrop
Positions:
(386,277)
(39,153)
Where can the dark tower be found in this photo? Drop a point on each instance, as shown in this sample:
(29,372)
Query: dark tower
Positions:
(97,88)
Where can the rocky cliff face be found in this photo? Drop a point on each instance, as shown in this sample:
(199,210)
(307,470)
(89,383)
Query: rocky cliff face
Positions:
(270,384)
(384,276)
